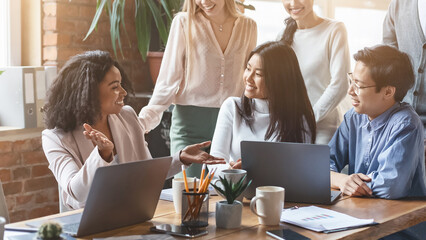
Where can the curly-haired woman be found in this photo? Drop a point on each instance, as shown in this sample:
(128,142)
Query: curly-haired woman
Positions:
(89,126)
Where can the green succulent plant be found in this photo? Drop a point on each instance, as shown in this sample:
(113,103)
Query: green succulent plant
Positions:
(49,231)
(231,190)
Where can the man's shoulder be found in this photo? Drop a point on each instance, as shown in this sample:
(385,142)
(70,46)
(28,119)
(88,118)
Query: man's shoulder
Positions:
(352,115)
(406,115)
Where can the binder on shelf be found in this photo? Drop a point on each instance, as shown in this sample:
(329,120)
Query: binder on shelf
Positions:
(17,97)
(40,83)
(51,73)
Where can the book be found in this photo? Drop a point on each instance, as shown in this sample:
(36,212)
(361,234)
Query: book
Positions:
(322,220)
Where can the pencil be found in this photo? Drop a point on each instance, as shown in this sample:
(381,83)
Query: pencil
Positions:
(184,179)
(203,171)
(201,188)
(209,180)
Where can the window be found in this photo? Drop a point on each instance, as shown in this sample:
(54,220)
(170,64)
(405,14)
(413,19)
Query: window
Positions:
(10,33)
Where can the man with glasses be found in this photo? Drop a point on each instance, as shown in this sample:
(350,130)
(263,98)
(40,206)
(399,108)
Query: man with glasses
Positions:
(380,138)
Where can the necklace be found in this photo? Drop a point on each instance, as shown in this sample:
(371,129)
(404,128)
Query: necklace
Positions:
(220,26)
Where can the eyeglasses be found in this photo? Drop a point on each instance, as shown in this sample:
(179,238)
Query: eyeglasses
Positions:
(355,85)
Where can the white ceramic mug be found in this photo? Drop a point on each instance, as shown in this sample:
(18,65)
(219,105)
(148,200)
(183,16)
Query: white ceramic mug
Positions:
(2,223)
(178,185)
(268,204)
(232,175)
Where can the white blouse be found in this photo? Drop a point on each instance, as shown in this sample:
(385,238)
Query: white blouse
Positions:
(324,59)
(214,75)
(231,128)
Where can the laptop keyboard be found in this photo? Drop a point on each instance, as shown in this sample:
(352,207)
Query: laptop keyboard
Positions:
(70,228)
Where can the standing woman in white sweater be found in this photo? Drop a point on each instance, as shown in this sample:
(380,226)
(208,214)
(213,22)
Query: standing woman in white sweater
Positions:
(208,45)
(274,107)
(322,49)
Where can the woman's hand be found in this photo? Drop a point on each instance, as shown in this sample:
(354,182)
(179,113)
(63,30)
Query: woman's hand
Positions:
(105,146)
(194,154)
(235,165)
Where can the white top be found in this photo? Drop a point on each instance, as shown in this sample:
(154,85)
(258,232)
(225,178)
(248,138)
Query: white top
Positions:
(73,159)
(422,14)
(214,75)
(231,129)
(324,60)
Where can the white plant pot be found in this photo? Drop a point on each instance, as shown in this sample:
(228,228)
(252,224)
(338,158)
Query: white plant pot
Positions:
(228,215)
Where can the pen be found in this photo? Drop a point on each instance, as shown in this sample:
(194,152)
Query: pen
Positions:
(292,208)
(20,229)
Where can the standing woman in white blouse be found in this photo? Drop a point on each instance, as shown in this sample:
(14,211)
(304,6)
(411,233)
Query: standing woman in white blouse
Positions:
(208,46)
(274,107)
(322,49)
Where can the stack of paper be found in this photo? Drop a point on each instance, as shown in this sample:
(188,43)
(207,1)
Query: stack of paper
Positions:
(167,194)
(322,220)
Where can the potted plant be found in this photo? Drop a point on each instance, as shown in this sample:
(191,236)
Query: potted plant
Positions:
(161,11)
(229,212)
(49,231)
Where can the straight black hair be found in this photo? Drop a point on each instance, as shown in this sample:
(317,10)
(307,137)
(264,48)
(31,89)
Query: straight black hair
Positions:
(291,114)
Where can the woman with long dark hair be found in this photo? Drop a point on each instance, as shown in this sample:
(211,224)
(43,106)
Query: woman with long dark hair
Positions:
(274,107)
(89,126)
(321,46)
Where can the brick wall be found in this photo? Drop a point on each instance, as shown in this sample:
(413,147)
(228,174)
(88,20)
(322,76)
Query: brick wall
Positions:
(29,186)
(65,24)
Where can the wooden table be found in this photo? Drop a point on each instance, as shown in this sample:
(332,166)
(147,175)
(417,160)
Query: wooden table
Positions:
(392,216)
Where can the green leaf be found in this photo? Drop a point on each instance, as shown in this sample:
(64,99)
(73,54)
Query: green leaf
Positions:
(115,19)
(99,8)
(143,27)
(218,189)
(1,72)
(168,8)
(230,190)
(156,13)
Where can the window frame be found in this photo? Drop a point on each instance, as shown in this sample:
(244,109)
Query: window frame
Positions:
(12,20)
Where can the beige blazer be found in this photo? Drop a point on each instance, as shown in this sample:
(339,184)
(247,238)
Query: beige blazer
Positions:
(73,159)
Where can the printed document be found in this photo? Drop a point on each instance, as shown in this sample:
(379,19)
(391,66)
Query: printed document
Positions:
(322,220)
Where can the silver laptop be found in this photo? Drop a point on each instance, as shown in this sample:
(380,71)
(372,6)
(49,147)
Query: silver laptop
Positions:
(302,169)
(120,195)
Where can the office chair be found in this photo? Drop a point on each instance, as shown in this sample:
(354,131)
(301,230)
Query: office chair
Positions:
(3,207)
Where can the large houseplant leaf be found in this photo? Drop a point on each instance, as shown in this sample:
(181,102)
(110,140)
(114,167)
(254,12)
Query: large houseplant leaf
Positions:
(143,27)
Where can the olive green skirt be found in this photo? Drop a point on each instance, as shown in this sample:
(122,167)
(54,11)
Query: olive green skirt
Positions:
(190,125)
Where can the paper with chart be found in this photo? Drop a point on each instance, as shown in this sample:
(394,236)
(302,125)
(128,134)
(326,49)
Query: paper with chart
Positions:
(321,219)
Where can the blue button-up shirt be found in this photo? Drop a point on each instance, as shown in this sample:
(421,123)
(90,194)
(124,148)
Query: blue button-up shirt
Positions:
(389,149)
